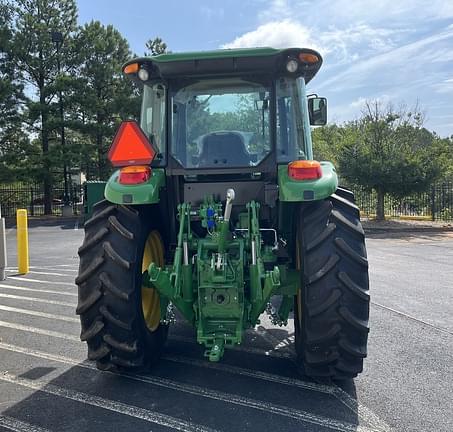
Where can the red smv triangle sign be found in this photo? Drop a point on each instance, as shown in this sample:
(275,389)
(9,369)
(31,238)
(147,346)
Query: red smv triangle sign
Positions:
(130,146)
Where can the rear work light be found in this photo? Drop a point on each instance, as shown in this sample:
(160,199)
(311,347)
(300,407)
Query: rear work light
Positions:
(133,175)
(304,170)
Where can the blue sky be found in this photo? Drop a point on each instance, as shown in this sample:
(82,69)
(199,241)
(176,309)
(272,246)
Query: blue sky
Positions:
(392,50)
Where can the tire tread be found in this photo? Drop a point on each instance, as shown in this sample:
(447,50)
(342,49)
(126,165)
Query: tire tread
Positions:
(332,332)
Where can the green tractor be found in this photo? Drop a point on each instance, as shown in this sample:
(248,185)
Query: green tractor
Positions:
(218,210)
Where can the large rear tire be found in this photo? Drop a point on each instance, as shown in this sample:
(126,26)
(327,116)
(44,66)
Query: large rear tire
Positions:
(120,320)
(332,306)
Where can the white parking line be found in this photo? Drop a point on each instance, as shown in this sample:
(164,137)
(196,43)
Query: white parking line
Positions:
(19,278)
(50,273)
(340,394)
(41,273)
(362,411)
(38,300)
(48,270)
(107,404)
(39,314)
(17,288)
(236,370)
(18,425)
(40,331)
(284,411)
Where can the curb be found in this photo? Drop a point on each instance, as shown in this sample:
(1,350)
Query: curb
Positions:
(46,221)
(407,230)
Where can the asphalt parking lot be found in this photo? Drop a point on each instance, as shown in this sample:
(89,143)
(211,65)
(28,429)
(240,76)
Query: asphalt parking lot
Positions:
(46,383)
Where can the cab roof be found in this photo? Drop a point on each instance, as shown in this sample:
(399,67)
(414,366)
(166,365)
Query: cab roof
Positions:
(227,62)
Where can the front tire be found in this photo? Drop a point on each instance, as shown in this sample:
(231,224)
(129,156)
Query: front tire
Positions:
(332,306)
(116,319)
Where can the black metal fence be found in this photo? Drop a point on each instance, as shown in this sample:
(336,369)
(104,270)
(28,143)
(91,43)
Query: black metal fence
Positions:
(31,197)
(435,204)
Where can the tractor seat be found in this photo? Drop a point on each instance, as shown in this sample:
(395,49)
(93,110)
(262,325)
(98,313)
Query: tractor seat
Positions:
(222,149)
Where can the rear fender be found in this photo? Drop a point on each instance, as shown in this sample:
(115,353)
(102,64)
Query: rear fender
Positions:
(143,193)
(291,190)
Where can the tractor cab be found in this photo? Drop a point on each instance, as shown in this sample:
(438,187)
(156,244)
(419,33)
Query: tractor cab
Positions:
(227,119)
(232,111)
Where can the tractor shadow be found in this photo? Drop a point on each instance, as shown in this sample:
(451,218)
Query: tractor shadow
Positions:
(247,391)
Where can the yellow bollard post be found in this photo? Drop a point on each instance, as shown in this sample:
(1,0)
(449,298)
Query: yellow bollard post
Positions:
(22,242)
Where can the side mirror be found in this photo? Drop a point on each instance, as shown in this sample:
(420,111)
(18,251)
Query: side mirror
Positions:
(317,111)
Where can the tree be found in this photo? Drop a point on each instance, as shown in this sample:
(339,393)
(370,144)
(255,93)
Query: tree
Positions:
(326,141)
(155,46)
(35,55)
(444,150)
(13,143)
(389,151)
(102,96)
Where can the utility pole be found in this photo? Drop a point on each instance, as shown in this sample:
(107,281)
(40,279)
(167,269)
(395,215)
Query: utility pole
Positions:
(57,39)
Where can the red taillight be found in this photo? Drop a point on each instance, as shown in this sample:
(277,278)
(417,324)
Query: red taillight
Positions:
(133,175)
(304,170)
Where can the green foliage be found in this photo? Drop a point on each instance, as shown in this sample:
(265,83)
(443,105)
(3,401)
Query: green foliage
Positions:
(101,96)
(384,150)
(155,46)
(74,86)
(40,60)
(388,150)
(326,142)
(11,98)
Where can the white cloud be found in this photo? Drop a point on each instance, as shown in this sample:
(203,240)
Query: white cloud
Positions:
(358,103)
(343,44)
(358,41)
(388,11)
(276,34)
(446,86)
(371,49)
(399,63)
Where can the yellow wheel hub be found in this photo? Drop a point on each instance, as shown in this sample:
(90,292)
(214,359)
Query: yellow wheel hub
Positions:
(153,252)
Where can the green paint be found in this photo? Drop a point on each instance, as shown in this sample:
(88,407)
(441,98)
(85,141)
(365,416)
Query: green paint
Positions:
(143,193)
(228,288)
(293,190)
(215,54)
(94,192)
